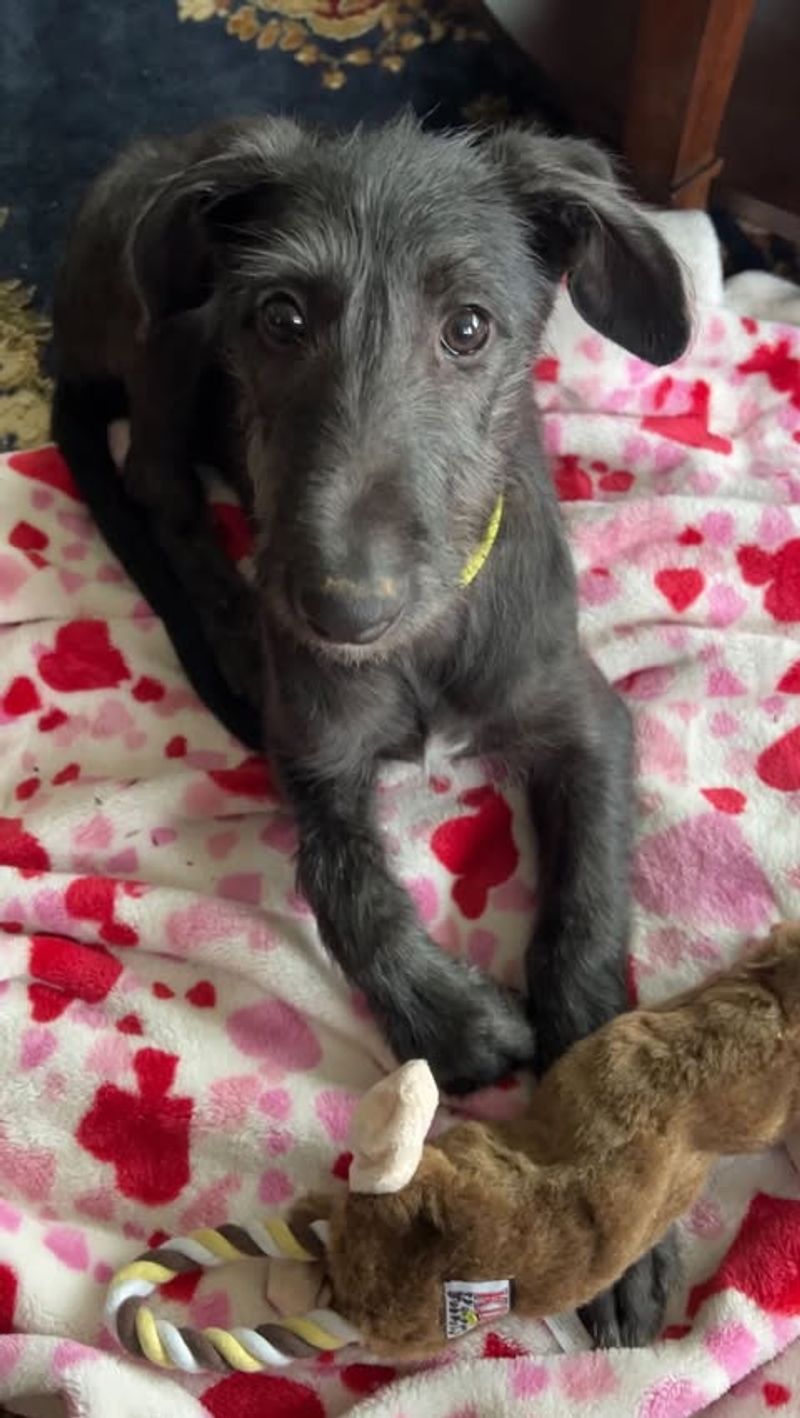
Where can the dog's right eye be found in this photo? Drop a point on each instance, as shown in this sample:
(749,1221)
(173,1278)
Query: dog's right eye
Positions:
(282,320)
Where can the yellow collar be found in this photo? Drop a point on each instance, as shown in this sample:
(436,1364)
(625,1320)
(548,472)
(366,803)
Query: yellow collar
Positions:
(471,567)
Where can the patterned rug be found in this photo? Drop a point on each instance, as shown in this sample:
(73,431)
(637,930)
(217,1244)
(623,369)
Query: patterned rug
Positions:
(80,81)
(84,79)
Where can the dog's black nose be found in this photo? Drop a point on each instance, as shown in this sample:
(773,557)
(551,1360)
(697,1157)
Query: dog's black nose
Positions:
(352,612)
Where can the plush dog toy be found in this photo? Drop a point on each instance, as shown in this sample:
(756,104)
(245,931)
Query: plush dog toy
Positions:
(537,1215)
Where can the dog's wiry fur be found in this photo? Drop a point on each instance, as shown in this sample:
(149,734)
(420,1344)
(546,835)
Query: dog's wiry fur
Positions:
(369,453)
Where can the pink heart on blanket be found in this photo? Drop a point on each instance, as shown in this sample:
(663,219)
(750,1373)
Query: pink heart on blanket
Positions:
(672,1398)
(275,1187)
(111,718)
(334,1107)
(68,1352)
(703,871)
(74,551)
(244,886)
(514,895)
(71,581)
(162,836)
(12,576)
(37,1047)
(69,1245)
(97,1205)
(221,844)
(97,832)
(725,605)
(10,1218)
(30,1171)
(124,863)
(110,574)
(11,1348)
(76,523)
(276,1032)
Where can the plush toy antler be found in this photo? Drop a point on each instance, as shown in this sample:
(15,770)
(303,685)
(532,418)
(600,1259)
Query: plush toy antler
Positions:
(537,1215)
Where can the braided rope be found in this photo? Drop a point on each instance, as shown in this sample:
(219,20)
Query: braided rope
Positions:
(273,1345)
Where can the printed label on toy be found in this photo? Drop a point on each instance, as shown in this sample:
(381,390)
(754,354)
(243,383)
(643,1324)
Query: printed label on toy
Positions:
(468,1303)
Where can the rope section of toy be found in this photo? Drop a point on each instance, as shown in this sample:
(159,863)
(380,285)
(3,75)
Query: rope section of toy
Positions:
(274,1345)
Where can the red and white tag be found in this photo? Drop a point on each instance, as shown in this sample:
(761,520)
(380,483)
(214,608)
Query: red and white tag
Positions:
(468,1303)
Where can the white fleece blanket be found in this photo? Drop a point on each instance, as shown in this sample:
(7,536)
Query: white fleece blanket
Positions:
(176,1049)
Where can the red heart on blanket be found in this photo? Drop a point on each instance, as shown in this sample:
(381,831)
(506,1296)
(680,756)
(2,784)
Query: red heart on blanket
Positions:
(690,537)
(250,779)
(53,719)
(764,1260)
(691,425)
(145,1135)
(8,1298)
(573,483)
(478,849)
(617,481)
(202,995)
(68,970)
(83,658)
(148,690)
(19,848)
(790,682)
(68,774)
(177,747)
(26,790)
(341,1167)
(680,586)
(776,1395)
(546,369)
(27,538)
(259,1395)
(779,765)
(130,1024)
(93,898)
(779,571)
(496,1347)
(368,1378)
(45,465)
(781,367)
(21,697)
(725,799)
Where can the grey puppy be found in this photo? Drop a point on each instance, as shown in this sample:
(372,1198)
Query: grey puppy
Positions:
(358,316)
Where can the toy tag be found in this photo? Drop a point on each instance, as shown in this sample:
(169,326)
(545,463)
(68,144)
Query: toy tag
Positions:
(468,1303)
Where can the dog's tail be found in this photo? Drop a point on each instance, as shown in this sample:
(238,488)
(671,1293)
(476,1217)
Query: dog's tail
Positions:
(80,419)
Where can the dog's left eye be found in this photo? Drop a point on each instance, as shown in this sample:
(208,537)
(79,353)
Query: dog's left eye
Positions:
(282,320)
(466,331)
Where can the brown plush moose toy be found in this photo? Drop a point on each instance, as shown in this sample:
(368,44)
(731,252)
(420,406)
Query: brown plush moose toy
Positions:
(538,1215)
(619,1141)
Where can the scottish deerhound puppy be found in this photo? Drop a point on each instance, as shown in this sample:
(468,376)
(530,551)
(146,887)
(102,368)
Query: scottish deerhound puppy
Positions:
(358,317)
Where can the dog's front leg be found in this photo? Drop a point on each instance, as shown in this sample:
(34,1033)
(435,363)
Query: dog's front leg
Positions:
(582,804)
(163,390)
(429,1006)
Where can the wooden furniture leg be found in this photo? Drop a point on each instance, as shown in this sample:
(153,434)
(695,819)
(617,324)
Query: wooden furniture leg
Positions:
(685,59)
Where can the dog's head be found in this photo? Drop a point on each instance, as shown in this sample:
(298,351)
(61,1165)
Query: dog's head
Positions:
(380,298)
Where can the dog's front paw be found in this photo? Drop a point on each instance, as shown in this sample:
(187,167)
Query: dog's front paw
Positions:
(472,1033)
(631,1314)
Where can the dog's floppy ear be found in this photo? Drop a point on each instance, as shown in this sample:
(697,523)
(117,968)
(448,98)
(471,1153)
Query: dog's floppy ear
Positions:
(171,249)
(622,276)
